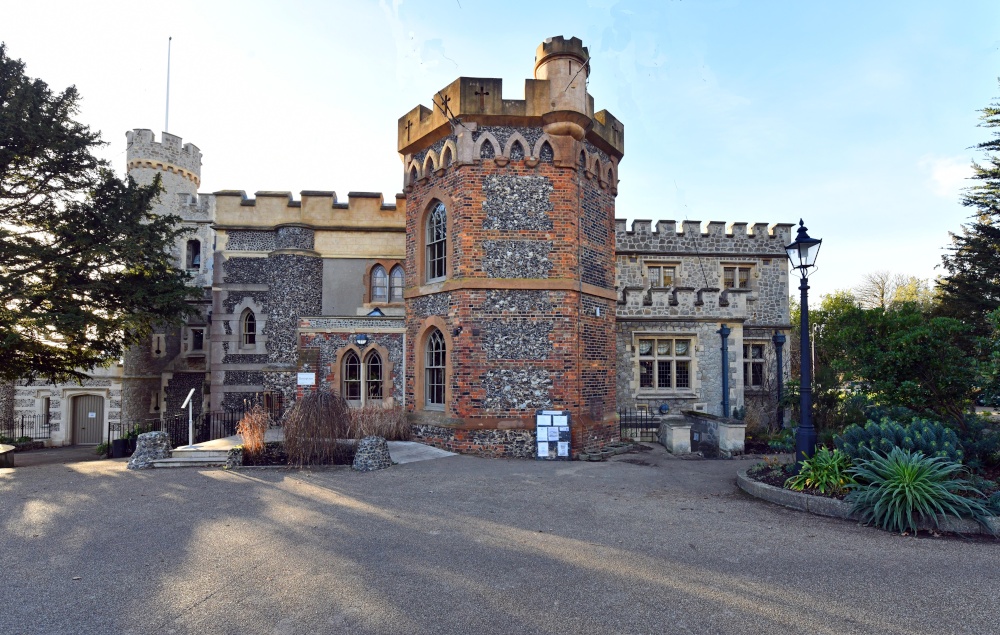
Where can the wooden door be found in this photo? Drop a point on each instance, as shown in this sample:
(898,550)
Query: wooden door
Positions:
(88,419)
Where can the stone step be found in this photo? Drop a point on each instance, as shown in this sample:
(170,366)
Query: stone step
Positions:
(207,454)
(190,461)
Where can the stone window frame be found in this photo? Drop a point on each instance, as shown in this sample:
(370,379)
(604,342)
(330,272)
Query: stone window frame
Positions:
(754,362)
(337,374)
(434,196)
(660,265)
(690,358)
(192,253)
(389,266)
(239,311)
(436,243)
(189,340)
(419,387)
(737,269)
(379,284)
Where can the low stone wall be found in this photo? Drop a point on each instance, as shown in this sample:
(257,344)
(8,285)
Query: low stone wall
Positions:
(491,442)
(716,436)
(835,508)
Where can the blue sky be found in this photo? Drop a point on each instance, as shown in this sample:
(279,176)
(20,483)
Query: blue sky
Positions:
(856,116)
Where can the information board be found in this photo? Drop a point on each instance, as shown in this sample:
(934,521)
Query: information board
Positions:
(552,435)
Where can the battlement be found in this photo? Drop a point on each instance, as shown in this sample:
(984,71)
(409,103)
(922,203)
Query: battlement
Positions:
(316,208)
(168,155)
(689,238)
(556,100)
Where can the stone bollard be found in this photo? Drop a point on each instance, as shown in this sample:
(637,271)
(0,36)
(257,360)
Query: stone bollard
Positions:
(372,454)
(149,447)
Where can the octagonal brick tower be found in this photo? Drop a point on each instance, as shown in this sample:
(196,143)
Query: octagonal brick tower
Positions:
(510,256)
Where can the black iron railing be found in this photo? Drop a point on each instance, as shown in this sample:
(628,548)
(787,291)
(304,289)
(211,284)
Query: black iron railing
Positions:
(208,426)
(635,421)
(36,426)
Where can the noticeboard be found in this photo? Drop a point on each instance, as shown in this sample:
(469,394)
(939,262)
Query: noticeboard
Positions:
(552,437)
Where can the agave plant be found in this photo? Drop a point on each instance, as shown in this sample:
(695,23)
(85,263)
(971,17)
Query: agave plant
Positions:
(898,490)
(826,472)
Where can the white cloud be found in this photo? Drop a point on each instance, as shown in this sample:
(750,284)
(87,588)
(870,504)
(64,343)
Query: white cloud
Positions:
(947,174)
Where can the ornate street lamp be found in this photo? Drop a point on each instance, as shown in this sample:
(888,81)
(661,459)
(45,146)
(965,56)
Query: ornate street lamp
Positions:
(802,256)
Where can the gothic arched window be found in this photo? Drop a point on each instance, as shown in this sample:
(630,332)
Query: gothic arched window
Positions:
(380,284)
(434,370)
(248,329)
(373,377)
(351,384)
(396,284)
(436,239)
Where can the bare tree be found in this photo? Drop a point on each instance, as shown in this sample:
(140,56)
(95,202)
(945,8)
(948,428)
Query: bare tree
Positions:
(882,289)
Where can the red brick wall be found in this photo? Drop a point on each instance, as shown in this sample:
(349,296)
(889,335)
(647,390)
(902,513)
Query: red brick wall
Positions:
(581,360)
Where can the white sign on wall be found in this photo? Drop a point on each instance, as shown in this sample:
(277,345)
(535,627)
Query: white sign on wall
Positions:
(306,379)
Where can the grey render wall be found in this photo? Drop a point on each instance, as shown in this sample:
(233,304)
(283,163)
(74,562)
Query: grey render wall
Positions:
(343,285)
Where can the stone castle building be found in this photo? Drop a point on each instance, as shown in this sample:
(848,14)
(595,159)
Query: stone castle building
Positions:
(498,284)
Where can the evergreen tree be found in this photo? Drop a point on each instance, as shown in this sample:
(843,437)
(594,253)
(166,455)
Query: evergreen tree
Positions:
(85,270)
(971,288)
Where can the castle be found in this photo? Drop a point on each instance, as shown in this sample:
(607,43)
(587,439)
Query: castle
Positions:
(498,284)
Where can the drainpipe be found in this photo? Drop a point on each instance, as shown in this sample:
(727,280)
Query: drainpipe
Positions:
(724,334)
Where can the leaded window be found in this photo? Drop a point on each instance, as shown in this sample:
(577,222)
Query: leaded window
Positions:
(351,379)
(373,377)
(661,275)
(736,277)
(434,369)
(436,240)
(664,363)
(380,284)
(248,329)
(753,365)
(396,284)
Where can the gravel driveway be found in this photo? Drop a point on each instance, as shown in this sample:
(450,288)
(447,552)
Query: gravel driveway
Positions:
(644,543)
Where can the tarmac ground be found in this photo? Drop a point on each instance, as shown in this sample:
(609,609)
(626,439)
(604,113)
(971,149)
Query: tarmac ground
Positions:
(644,543)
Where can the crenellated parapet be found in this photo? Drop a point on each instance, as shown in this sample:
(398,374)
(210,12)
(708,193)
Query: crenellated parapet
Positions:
(168,155)
(363,226)
(688,238)
(556,102)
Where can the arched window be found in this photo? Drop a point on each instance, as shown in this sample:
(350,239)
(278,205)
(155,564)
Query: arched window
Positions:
(380,284)
(351,385)
(373,377)
(434,368)
(193,258)
(248,329)
(436,240)
(396,284)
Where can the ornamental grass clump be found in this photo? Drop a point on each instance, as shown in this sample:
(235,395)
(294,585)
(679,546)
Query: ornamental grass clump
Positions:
(826,472)
(373,420)
(252,427)
(898,491)
(318,431)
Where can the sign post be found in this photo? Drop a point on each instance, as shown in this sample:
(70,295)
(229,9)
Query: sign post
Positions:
(187,402)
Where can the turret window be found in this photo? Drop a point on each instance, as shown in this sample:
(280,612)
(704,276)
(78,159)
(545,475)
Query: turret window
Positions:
(436,239)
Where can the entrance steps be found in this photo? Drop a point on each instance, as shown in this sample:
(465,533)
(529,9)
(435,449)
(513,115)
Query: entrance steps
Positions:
(201,455)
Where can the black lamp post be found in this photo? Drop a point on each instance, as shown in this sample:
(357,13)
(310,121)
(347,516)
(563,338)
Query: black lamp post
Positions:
(802,256)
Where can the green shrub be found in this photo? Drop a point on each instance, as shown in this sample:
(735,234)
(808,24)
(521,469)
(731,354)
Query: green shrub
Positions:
(995,504)
(930,438)
(24,440)
(102,449)
(784,442)
(897,491)
(826,472)
(981,443)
